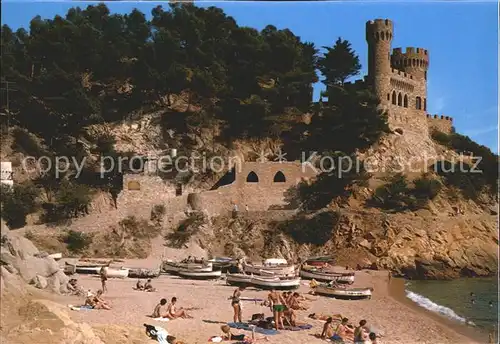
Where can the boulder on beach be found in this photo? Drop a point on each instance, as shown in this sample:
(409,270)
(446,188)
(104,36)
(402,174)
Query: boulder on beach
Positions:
(20,257)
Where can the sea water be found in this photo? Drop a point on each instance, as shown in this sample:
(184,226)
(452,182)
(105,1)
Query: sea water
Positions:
(452,299)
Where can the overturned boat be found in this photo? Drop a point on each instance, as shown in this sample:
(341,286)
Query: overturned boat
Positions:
(327,276)
(199,274)
(276,282)
(344,293)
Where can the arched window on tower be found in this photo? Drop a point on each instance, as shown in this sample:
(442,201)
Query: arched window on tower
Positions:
(394,97)
(425,104)
(418,103)
(405,101)
(400,100)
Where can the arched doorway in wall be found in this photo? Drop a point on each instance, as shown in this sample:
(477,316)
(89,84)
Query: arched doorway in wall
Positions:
(252,177)
(279,177)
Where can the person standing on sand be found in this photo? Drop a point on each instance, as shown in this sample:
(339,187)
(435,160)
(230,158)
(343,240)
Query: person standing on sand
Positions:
(278,307)
(104,277)
(236,304)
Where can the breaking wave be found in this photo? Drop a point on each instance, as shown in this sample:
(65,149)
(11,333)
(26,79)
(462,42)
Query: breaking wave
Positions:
(428,304)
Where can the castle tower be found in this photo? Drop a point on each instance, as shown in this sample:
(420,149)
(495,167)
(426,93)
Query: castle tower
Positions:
(379,34)
(414,61)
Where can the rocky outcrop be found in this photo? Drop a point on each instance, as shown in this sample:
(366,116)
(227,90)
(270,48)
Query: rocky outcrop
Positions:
(422,245)
(19,256)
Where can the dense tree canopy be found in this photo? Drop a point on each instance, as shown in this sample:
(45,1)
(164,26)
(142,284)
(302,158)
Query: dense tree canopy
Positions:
(92,66)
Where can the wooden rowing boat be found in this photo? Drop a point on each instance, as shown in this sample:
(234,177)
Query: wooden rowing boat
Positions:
(238,279)
(275,282)
(344,293)
(324,276)
(174,267)
(199,274)
(261,269)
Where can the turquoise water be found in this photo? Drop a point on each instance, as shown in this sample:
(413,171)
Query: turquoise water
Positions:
(452,299)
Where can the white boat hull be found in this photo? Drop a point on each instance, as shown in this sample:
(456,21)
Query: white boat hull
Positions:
(269,270)
(328,277)
(110,272)
(172,267)
(275,283)
(117,273)
(197,274)
(238,279)
(348,293)
(56,256)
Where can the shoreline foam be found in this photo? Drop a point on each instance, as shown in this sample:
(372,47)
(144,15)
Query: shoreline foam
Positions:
(451,320)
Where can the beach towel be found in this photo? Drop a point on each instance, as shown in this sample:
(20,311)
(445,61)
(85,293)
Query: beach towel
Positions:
(161,319)
(215,339)
(80,308)
(247,327)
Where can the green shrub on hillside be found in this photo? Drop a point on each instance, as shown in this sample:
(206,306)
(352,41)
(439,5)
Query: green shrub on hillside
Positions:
(77,241)
(17,203)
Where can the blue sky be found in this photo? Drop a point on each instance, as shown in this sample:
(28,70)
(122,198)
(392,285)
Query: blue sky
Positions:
(462,38)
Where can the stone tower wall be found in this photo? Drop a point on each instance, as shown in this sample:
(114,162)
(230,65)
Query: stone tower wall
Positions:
(379,33)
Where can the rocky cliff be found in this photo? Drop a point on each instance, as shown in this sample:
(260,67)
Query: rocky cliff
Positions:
(28,315)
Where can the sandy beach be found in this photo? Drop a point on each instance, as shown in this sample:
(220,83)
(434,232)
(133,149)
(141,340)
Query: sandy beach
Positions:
(397,320)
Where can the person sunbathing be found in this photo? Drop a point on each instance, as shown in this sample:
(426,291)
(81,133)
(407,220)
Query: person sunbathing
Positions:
(174,313)
(327,329)
(96,302)
(227,335)
(160,311)
(139,285)
(361,333)
(343,331)
(148,286)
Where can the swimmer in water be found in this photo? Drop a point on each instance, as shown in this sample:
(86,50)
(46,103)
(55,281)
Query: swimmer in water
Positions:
(472,298)
(491,303)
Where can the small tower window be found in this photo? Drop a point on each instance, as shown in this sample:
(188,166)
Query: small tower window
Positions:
(405,102)
(394,97)
(400,100)
(388,96)
(418,103)
(425,104)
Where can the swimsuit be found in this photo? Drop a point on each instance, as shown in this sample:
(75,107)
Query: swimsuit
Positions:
(237,336)
(279,308)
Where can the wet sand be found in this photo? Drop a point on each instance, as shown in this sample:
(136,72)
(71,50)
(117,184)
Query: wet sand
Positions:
(397,319)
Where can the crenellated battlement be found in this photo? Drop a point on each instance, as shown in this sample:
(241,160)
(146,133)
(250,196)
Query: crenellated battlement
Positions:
(440,123)
(412,59)
(379,29)
(440,117)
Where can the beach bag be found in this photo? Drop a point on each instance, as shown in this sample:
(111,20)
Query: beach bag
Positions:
(258,316)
